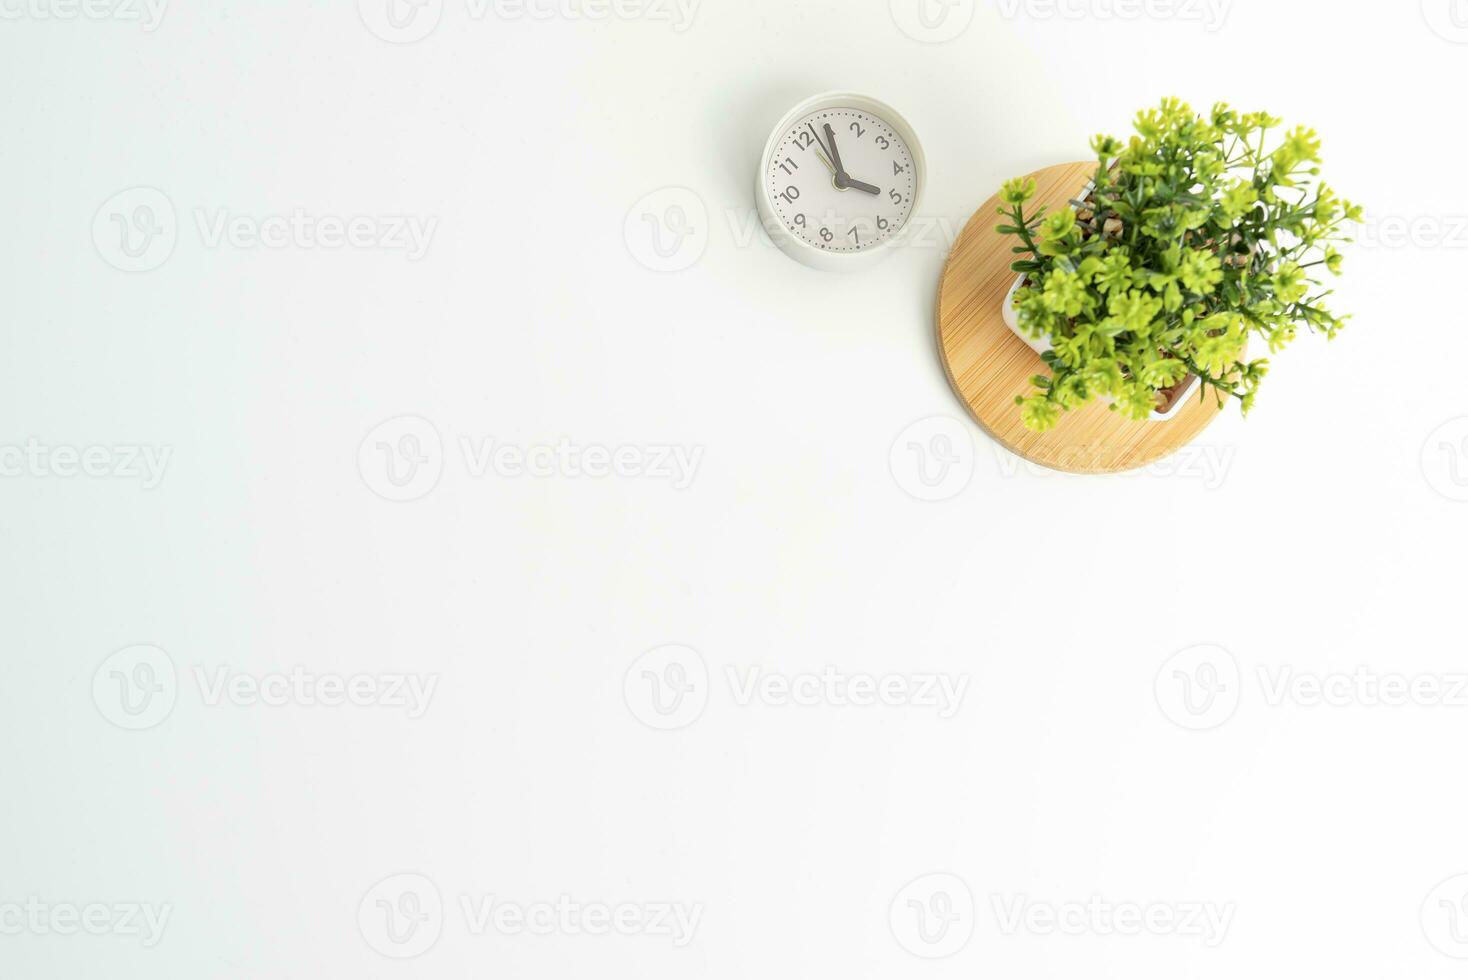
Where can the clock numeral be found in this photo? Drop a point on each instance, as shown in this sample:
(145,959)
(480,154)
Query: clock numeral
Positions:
(883,142)
(805,140)
(855,233)
(856,128)
(826,235)
(882,223)
(789,166)
(896,197)
(791,194)
(897,168)
(799,219)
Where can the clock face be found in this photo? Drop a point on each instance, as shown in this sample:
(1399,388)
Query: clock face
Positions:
(841,180)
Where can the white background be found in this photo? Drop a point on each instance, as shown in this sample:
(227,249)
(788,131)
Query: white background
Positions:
(1328,538)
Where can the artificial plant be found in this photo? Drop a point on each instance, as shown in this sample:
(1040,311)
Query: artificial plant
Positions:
(1197,234)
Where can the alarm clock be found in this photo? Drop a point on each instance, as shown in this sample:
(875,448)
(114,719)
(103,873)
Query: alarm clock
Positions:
(839,183)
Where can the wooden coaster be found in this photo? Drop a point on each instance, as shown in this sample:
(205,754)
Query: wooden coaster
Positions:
(988,365)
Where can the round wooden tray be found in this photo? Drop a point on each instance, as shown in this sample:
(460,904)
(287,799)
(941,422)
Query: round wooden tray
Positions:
(988,365)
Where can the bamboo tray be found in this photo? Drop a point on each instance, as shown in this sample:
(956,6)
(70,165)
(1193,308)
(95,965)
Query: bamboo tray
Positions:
(988,365)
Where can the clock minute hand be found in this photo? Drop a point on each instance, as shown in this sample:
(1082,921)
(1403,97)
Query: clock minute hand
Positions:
(835,153)
(843,179)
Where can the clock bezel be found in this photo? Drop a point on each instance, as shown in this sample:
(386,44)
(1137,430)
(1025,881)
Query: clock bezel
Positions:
(803,251)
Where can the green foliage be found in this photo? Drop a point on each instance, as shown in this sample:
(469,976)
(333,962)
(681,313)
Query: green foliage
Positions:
(1195,238)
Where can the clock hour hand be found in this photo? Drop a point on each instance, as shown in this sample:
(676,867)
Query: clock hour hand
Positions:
(859,185)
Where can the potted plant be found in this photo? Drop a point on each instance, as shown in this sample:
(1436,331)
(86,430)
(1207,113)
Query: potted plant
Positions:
(1193,236)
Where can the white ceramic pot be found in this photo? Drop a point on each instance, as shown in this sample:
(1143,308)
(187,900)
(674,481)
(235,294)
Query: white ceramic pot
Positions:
(1042,344)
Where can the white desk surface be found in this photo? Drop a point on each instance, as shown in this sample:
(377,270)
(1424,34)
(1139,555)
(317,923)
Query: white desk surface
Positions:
(1318,538)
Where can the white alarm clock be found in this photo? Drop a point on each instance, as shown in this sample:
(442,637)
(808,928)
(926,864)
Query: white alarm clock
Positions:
(841,178)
